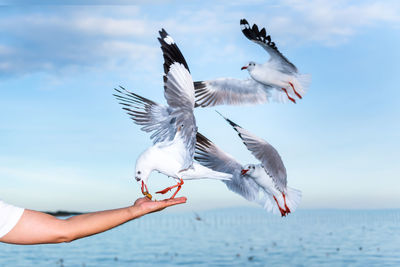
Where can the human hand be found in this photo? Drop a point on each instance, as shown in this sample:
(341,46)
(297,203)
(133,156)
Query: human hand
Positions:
(145,205)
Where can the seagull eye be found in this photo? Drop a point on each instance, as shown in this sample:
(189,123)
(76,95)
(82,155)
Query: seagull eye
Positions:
(138,172)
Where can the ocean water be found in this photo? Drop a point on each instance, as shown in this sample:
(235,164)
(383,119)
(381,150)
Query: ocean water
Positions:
(230,237)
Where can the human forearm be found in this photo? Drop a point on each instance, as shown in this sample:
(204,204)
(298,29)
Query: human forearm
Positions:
(39,228)
(93,223)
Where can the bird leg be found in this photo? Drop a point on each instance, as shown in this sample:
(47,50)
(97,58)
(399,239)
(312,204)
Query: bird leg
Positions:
(179,185)
(283,212)
(286,207)
(291,99)
(179,188)
(145,193)
(298,95)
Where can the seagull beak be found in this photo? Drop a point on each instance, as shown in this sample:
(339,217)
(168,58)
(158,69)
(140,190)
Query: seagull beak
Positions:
(243,68)
(244,171)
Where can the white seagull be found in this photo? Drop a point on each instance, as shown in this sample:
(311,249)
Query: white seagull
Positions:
(272,80)
(173,126)
(265,183)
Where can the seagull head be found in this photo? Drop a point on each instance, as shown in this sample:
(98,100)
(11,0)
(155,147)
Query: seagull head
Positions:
(249,66)
(248,169)
(142,170)
(138,175)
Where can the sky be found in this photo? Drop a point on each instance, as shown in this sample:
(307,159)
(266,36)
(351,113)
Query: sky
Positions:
(66,144)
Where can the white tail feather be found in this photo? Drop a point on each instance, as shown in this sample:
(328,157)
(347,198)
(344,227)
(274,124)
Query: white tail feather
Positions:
(293,198)
(270,205)
(279,96)
(301,83)
(200,172)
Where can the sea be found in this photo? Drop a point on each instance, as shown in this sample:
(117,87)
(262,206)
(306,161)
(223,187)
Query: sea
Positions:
(230,237)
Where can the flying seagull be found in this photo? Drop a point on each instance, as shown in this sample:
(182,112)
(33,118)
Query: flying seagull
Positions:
(272,80)
(173,126)
(264,183)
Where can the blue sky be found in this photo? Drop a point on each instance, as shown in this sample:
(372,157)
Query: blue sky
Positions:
(66,144)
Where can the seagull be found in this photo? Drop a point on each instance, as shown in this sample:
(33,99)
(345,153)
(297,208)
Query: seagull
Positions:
(272,80)
(173,126)
(264,183)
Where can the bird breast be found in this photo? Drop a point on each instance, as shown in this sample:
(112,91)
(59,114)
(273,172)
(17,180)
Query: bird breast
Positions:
(169,159)
(267,74)
(265,181)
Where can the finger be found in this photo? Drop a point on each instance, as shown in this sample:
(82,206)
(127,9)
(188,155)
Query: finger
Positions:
(175,201)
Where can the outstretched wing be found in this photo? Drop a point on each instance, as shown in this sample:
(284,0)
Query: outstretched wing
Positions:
(210,156)
(179,92)
(231,91)
(178,83)
(151,115)
(260,37)
(264,152)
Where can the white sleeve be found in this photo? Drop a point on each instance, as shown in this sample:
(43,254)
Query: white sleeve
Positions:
(9,217)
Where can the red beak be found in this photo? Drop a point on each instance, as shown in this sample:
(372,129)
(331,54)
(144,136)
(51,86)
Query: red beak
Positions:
(244,171)
(243,68)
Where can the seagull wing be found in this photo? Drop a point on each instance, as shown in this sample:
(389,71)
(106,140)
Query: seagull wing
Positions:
(179,93)
(178,83)
(260,37)
(231,91)
(210,156)
(265,153)
(151,115)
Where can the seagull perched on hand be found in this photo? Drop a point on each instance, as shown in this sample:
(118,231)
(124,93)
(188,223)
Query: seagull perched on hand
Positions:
(265,183)
(271,80)
(173,126)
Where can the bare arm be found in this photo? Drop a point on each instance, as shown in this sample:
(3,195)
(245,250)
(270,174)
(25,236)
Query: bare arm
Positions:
(39,228)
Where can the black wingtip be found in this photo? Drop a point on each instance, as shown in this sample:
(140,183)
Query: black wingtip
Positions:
(220,114)
(254,34)
(202,143)
(163,33)
(171,52)
(201,138)
(255,30)
(121,90)
(228,120)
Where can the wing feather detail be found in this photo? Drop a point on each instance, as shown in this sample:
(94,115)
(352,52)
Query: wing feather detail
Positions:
(149,114)
(231,91)
(261,38)
(210,156)
(266,154)
(179,93)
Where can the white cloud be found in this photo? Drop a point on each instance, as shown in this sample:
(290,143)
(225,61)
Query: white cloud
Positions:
(111,26)
(51,42)
(123,37)
(330,22)
(5,49)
